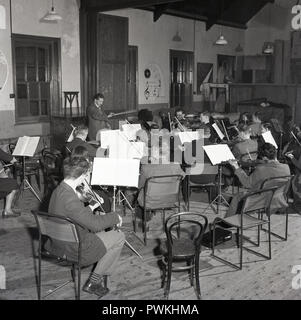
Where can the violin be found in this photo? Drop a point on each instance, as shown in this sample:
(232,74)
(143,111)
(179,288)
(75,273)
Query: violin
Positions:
(87,195)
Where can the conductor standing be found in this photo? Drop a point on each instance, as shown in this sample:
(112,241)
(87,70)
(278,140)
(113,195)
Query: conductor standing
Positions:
(97,118)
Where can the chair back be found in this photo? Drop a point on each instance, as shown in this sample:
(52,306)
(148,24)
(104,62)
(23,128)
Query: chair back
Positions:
(281,195)
(185,226)
(202,169)
(57,227)
(257,201)
(162,191)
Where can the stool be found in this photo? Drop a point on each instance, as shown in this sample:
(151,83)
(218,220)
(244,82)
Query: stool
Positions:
(69,97)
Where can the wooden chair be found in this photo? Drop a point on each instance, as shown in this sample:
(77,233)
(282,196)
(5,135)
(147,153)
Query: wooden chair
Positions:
(184,232)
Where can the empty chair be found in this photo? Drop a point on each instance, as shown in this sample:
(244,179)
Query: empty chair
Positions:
(259,203)
(184,232)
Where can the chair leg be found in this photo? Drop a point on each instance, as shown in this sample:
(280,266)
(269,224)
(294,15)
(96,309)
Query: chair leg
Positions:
(241,248)
(78,283)
(73,272)
(286,225)
(38,180)
(169,270)
(197,277)
(269,237)
(39,276)
(144,226)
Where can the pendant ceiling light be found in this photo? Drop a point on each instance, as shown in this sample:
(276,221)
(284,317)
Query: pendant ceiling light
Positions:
(52,15)
(221,41)
(177,37)
(268,46)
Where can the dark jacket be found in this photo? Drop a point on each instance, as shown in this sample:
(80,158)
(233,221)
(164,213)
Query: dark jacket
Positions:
(65,202)
(97,119)
(79,142)
(244,147)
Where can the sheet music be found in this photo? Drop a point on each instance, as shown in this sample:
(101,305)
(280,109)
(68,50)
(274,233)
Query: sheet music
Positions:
(268,138)
(115,172)
(26,146)
(218,153)
(218,131)
(107,137)
(130,130)
(188,136)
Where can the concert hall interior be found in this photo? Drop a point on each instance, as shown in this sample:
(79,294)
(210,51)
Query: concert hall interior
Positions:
(150,150)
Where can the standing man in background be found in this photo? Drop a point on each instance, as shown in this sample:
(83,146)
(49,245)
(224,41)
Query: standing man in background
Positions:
(97,118)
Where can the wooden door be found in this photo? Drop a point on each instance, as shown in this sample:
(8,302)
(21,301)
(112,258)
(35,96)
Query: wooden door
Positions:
(181,79)
(112,44)
(132,83)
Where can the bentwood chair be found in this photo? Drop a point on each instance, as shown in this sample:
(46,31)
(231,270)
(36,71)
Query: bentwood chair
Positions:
(280,200)
(160,193)
(59,228)
(184,232)
(253,203)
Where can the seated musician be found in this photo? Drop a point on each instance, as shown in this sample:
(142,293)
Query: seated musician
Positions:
(255,126)
(98,246)
(296,182)
(8,187)
(160,166)
(244,144)
(80,137)
(180,117)
(269,167)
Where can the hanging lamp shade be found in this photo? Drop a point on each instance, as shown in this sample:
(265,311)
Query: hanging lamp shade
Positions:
(177,37)
(268,48)
(221,41)
(52,15)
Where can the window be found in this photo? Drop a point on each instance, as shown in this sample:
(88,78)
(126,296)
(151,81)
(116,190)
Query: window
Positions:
(34,61)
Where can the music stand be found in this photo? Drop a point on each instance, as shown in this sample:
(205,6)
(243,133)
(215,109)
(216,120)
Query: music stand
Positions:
(26,147)
(25,184)
(219,199)
(218,155)
(116,173)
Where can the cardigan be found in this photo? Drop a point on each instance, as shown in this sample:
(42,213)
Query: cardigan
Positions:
(65,202)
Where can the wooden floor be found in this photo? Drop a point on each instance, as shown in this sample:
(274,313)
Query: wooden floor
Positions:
(135,279)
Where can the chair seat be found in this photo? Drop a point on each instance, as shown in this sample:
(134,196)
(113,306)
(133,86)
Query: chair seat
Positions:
(182,248)
(248,221)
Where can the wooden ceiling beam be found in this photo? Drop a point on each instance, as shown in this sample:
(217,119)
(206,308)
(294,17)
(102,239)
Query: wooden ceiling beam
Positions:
(108,5)
(159,10)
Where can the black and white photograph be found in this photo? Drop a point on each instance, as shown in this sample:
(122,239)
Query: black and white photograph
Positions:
(150,153)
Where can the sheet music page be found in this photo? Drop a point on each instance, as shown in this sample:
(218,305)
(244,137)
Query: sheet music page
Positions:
(218,131)
(107,137)
(268,138)
(188,136)
(130,130)
(26,146)
(218,153)
(135,150)
(115,172)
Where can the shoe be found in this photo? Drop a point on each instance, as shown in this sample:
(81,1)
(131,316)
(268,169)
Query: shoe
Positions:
(16,210)
(11,214)
(95,288)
